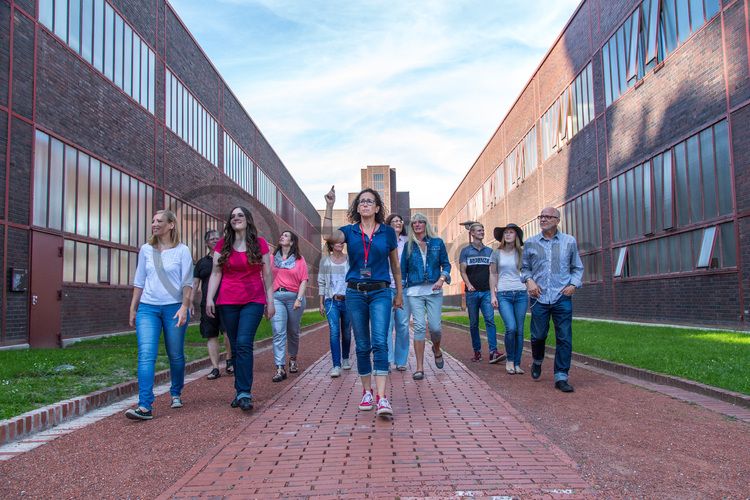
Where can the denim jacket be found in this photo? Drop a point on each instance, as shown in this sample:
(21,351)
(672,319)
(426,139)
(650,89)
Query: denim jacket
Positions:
(412,267)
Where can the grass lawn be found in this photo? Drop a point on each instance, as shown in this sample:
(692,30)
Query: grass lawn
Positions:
(720,359)
(33,378)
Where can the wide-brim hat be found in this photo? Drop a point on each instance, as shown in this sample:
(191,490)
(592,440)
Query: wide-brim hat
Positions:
(498,232)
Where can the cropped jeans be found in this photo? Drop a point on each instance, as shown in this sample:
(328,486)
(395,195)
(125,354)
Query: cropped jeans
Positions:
(476,301)
(512,306)
(398,335)
(426,310)
(369,314)
(339,328)
(286,325)
(241,322)
(561,313)
(150,321)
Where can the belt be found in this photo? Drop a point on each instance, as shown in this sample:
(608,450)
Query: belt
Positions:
(339,297)
(367,286)
(282,289)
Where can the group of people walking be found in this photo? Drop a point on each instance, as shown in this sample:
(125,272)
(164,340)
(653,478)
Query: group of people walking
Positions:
(390,274)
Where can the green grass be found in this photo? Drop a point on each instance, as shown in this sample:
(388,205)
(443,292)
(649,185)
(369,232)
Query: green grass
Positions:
(720,359)
(33,378)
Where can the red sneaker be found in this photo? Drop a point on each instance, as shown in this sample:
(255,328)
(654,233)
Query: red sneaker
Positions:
(366,403)
(477,356)
(384,407)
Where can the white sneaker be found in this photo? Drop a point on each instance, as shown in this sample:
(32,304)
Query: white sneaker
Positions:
(346,365)
(176,402)
(384,407)
(335,372)
(366,403)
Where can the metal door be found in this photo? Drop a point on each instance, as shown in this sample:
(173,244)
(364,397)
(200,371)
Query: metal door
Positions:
(46,290)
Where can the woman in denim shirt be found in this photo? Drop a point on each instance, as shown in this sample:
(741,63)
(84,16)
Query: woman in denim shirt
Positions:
(511,299)
(425,268)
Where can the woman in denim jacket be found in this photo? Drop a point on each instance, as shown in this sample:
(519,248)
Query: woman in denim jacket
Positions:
(425,268)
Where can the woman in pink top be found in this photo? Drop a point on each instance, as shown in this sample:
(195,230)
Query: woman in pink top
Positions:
(241,267)
(289,284)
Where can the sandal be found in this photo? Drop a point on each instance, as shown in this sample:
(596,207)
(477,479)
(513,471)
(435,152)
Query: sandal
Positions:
(418,375)
(214,374)
(439,363)
(230,366)
(280,374)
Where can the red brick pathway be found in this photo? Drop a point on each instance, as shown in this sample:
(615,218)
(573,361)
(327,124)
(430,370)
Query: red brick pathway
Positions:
(451,436)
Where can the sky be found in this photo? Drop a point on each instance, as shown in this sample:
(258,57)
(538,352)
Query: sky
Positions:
(335,86)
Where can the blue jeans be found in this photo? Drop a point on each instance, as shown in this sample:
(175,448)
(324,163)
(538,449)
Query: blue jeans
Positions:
(369,314)
(286,326)
(426,310)
(398,334)
(339,328)
(241,322)
(476,301)
(512,306)
(150,320)
(562,317)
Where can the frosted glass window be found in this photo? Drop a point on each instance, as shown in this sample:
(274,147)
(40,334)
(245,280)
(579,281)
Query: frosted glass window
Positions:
(69,259)
(47,13)
(124,209)
(106,200)
(109,41)
(82,220)
(94,181)
(115,208)
(69,212)
(55,184)
(127,72)
(81,262)
(119,37)
(41,175)
(74,24)
(93,264)
(87,29)
(99,34)
(61,19)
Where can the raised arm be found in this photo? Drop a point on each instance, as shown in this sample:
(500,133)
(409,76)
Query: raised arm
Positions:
(327,232)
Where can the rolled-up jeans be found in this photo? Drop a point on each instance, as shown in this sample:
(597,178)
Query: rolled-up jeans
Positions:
(339,328)
(286,324)
(512,305)
(241,322)
(369,314)
(561,313)
(150,321)
(426,310)
(398,334)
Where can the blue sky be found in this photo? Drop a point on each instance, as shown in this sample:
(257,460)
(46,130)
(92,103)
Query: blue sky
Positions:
(335,86)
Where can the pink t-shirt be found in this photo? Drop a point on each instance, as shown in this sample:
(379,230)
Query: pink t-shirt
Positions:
(289,278)
(241,282)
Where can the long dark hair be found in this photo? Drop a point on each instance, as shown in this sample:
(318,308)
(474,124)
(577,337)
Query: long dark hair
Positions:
(354,216)
(252,248)
(390,218)
(294,250)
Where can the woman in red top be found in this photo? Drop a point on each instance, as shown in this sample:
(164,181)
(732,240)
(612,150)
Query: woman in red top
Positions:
(289,283)
(242,275)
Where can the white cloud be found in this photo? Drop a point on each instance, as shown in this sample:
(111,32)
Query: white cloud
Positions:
(335,86)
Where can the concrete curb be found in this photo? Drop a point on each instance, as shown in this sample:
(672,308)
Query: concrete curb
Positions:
(49,416)
(731,397)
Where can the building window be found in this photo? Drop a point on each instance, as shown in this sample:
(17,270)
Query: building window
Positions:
(522,160)
(237,165)
(95,31)
(266,191)
(687,184)
(192,224)
(647,37)
(572,111)
(78,194)
(187,118)
(95,264)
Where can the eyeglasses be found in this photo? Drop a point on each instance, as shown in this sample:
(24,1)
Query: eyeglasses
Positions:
(548,217)
(418,222)
(366,201)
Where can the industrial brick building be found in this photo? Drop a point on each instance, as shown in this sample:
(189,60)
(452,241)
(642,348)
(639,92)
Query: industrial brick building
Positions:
(110,110)
(635,125)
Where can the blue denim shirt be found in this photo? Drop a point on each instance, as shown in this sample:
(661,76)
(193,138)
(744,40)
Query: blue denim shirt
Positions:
(383,241)
(412,267)
(552,263)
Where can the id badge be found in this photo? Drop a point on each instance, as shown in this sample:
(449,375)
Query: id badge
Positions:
(365,272)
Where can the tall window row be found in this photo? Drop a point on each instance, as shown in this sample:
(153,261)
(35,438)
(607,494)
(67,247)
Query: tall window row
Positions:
(81,195)
(522,160)
(687,184)
(266,191)
(651,33)
(581,218)
(713,247)
(237,165)
(572,111)
(97,33)
(96,264)
(193,224)
(187,118)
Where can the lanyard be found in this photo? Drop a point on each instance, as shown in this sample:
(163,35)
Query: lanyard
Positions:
(366,247)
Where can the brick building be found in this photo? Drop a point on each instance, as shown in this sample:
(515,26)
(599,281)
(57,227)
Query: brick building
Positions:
(110,110)
(635,125)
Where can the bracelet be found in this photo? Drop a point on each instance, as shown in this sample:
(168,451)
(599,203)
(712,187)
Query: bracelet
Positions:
(327,218)
(300,298)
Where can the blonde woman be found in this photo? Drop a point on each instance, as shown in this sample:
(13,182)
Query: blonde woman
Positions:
(162,294)
(510,295)
(426,267)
